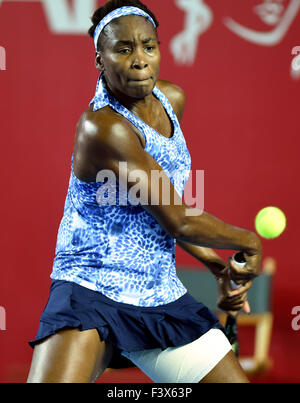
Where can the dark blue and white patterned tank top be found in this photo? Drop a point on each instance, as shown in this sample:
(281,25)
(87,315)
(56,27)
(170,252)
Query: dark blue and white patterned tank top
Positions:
(121,250)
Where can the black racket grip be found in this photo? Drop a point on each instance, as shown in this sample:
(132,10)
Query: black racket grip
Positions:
(232,334)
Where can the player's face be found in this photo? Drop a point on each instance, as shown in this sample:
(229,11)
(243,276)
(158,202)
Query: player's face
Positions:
(130,58)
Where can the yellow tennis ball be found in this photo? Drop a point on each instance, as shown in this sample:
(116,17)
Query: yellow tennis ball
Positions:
(270,222)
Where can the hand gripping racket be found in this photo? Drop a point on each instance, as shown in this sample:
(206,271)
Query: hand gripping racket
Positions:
(231,322)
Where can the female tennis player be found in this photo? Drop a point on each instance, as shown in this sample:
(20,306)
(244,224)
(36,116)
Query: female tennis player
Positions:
(115,295)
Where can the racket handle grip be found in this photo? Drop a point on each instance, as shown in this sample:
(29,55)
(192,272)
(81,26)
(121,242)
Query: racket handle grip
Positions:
(232,334)
(240,261)
(231,322)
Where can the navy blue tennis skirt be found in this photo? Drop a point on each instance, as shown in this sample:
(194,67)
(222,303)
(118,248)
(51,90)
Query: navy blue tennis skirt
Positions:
(126,327)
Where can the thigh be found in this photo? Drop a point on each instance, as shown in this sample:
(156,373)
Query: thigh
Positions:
(228,370)
(185,364)
(70,355)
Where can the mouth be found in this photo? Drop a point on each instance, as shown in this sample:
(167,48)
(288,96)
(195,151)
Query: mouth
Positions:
(143,80)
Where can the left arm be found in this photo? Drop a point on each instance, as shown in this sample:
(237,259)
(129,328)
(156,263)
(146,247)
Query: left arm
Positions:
(206,256)
(227,300)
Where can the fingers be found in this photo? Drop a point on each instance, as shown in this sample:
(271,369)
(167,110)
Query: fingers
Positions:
(236,300)
(246,307)
(240,299)
(242,289)
(249,271)
(235,304)
(239,275)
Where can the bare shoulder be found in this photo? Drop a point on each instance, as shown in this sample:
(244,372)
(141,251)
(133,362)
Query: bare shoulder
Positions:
(103,126)
(175,95)
(102,135)
(92,124)
(173,90)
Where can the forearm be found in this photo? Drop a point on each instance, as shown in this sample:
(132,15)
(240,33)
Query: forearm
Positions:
(209,231)
(207,256)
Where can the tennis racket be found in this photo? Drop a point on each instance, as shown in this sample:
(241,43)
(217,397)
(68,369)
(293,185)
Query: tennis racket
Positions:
(231,328)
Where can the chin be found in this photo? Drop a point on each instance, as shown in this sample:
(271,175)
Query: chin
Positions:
(141,92)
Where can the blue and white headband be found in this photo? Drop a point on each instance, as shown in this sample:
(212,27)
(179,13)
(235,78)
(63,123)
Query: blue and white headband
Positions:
(119,12)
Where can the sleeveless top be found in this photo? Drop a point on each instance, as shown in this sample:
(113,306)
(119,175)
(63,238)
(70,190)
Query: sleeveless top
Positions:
(119,249)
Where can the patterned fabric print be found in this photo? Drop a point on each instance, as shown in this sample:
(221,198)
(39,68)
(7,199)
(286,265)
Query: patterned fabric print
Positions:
(121,250)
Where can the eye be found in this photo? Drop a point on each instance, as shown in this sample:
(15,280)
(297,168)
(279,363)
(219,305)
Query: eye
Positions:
(150,48)
(124,51)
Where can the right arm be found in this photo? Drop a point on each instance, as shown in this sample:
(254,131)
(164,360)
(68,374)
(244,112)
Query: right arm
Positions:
(110,141)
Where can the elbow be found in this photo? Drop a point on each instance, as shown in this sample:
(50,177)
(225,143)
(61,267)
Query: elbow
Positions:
(256,244)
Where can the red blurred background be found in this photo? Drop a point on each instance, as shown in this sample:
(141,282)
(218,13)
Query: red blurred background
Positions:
(241,125)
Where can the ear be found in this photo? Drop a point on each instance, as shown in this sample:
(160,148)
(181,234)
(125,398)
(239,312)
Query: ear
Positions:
(98,61)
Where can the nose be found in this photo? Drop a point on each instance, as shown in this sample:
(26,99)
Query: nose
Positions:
(139,60)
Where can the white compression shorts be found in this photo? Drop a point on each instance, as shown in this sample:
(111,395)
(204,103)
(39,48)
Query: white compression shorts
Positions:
(185,364)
